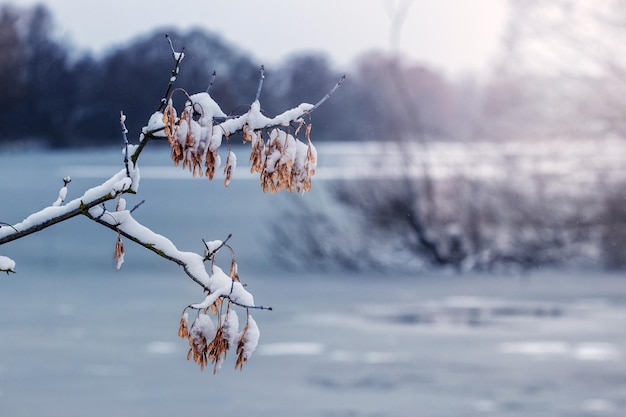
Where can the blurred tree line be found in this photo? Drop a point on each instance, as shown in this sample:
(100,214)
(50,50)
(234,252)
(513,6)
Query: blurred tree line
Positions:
(560,79)
(62,98)
(561,71)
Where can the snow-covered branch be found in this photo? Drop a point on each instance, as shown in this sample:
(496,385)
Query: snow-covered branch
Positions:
(56,213)
(216,283)
(283,161)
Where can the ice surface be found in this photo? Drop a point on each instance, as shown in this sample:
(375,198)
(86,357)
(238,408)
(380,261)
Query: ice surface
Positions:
(337,343)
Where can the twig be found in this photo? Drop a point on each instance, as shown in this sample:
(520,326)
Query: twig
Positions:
(214,251)
(250,307)
(213,76)
(262,77)
(125,140)
(178,56)
(330,93)
(153,248)
(137,206)
(7,224)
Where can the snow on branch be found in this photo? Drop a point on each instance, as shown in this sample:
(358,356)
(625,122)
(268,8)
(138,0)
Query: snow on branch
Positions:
(49,216)
(195,135)
(7,264)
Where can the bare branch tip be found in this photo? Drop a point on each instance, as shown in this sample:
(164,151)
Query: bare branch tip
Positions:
(261,78)
(137,206)
(213,76)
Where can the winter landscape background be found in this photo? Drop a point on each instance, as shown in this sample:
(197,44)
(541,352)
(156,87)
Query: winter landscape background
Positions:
(78,337)
(461,253)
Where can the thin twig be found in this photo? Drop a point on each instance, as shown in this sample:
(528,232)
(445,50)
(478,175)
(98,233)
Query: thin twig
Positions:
(250,307)
(232,302)
(214,251)
(178,261)
(137,206)
(125,141)
(261,78)
(213,76)
(330,93)
(7,224)
(178,56)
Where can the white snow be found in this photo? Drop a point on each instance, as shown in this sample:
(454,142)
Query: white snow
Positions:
(116,182)
(218,283)
(230,326)
(207,107)
(202,327)
(132,148)
(155,125)
(290,115)
(61,198)
(7,264)
(121,204)
(213,245)
(215,140)
(256,120)
(251,338)
(221,285)
(218,161)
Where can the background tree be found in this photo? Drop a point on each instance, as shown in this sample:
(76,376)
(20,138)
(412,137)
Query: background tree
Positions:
(37,66)
(11,55)
(562,68)
(439,214)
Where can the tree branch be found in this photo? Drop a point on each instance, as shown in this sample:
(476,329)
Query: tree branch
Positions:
(197,133)
(218,284)
(330,93)
(52,215)
(178,57)
(261,78)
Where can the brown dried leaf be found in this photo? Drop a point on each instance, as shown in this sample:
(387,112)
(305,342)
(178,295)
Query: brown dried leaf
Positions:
(247,137)
(169,120)
(211,158)
(217,348)
(215,306)
(234,271)
(183,329)
(118,254)
(240,345)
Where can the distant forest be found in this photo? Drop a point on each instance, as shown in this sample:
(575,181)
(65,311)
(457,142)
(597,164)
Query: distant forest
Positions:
(57,97)
(555,83)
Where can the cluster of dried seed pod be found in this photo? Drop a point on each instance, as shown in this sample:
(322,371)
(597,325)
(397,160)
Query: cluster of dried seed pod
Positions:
(209,343)
(283,161)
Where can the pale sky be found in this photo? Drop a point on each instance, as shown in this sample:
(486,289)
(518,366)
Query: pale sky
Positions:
(454,36)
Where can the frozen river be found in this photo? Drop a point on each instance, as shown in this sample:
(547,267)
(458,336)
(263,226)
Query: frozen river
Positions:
(79,339)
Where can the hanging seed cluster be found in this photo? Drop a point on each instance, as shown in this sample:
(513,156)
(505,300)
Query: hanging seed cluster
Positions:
(282,160)
(209,343)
